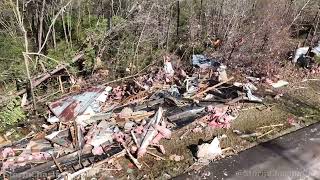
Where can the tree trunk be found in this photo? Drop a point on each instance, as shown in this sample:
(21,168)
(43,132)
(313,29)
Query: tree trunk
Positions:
(168,29)
(40,32)
(178,20)
(25,54)
(64,28)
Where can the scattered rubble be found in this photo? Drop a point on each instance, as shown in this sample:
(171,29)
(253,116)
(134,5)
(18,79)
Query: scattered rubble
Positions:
(304,56)
(130,117)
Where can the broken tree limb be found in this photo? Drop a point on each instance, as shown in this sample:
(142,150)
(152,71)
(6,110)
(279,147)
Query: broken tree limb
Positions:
(52,25)
(39,54)
(299,13)
(265,134)
(238,99)
(157,156)
(132,76)
(135,139)
(134,160)
(211,88)
(124,78)
(271,126)
(184,134)
(250,135)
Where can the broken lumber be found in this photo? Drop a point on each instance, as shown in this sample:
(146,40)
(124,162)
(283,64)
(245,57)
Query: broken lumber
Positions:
(37,82)
(211,88)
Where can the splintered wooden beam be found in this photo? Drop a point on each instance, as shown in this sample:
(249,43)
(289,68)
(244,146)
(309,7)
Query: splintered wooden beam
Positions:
(37,82)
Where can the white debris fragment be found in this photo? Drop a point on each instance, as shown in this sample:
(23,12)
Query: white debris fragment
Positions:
(53,119)
(279,84)
(150,132)
(191,84)
(146,87)
(125,113)
(191,91)
(316,50)
(209,151)
(174,91)
(82,119)
(168,69)
(129,125)
(24,100)
(222,73)
(102,135)
(209,96)
(253,79)
(175,157)
(108,89)
(89,111)
(52,135)
(238,84)
(249,88)
(300,52)
(304,50)
(103,97)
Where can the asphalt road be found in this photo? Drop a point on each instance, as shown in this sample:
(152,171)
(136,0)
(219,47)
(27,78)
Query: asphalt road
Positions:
(293,156)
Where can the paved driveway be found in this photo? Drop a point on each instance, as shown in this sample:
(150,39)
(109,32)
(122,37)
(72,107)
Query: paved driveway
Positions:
(291,157)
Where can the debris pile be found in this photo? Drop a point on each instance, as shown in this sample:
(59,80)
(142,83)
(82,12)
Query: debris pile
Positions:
(130,117)
(305,56)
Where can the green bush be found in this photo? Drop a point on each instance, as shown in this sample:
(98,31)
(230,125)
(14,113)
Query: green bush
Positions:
(11,113)
(12,66)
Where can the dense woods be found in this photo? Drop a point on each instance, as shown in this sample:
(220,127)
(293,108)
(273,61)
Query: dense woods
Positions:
(118,38)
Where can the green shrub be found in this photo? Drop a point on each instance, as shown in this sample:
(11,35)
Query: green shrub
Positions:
(11,113)
(12,66)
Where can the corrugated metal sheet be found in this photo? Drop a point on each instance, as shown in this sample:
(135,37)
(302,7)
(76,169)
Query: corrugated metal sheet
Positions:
(68,108)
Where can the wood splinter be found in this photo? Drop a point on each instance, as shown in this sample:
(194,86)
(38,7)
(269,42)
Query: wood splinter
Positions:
(133,159)
(157,156)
